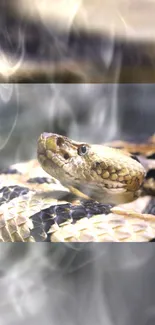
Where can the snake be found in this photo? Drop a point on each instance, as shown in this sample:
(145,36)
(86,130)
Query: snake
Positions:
(102,173)
(79,192)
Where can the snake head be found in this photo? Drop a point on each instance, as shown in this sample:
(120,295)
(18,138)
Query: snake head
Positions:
(62,157)
(96,170)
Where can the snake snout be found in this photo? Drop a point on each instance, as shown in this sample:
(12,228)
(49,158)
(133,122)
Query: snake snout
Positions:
(47,142)
(41,146)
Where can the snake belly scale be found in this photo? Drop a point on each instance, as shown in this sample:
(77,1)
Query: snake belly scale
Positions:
(99,172)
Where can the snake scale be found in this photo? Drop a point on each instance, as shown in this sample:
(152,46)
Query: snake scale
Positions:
(80,192)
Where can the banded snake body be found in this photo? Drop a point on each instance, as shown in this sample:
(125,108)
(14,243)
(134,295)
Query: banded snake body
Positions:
(37,207)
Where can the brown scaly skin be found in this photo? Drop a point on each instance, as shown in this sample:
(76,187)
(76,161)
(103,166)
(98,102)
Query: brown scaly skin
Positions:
(102,173)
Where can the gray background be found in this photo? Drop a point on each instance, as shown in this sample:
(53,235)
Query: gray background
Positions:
(86,112)
(111,284)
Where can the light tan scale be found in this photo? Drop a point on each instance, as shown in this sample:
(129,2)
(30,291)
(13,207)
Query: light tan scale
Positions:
(99,172)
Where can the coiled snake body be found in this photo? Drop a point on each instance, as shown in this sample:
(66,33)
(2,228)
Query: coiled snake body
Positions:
(36,207)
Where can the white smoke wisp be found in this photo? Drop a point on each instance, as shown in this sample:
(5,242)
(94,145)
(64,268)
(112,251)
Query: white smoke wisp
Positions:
(131,20)
(63,10)
(95,105)
(105,115)
(82,283)
(60,110)
(6,93)
(10,65)
(19,291)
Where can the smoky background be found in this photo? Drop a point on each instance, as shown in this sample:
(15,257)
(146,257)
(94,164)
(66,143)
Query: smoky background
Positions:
(95,113)
(67,283)
(80,283)
(75,283)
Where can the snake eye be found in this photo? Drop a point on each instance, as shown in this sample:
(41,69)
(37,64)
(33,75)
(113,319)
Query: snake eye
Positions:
(82,150)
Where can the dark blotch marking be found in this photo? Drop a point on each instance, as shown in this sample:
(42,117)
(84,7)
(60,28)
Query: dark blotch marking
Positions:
(135,154)
(96,207)
(135,158)
(66,156)
(9,171)
(39,180)
(11,192)
(150,174)
(58,214)
(151,156)
(150,208)
(118,147)
(43,220)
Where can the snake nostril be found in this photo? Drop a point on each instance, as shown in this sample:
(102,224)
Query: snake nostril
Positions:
(59,141)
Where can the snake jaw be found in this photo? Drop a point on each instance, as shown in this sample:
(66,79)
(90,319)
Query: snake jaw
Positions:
(100,171)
